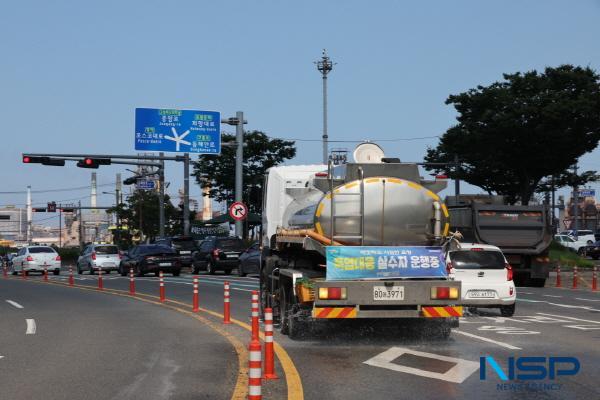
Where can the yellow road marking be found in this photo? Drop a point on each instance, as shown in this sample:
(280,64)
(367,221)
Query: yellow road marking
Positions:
(292,377)
(395,180)
(372,180)
(350,185)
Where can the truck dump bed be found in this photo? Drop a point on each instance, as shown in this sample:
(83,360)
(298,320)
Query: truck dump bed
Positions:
(519,229)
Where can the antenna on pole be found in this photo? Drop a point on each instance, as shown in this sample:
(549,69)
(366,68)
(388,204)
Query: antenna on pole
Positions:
(325,65)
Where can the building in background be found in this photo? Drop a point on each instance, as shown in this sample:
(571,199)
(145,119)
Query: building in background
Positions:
(13,224)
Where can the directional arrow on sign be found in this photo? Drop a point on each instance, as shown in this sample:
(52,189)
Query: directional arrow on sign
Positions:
(178,139)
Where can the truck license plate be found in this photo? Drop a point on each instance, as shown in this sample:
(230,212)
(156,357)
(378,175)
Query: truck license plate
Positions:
(482,294)
(388,292)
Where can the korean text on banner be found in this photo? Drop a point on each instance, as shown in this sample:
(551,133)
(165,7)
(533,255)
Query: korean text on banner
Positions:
(361,262)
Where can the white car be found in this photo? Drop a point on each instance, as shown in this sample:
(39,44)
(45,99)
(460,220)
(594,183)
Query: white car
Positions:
(485,275)
(586,236)
(570,242)
(36,259)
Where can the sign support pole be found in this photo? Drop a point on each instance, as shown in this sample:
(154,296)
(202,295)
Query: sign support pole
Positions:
(239,162)
(161,197)
(186,194)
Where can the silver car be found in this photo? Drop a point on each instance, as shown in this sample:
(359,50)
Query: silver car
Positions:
(99,256)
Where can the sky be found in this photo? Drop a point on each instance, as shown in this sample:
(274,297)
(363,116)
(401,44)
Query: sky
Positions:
(73,72)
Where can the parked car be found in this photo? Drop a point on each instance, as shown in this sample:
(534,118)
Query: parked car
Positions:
(582,234)
(36,259)
(185,246)
(486,277)
(218,254)
(570,243)
(148,258)
(99,256)
(249,262)
(592,250)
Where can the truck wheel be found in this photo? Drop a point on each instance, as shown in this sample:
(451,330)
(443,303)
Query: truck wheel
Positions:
(507,311)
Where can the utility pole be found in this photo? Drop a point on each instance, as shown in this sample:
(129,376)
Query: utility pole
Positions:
(186,194)
(325,65)
(29,231)
(575,203)
(239,162)
(59,225)
(456,179)
(117,203)
(239,122)
(161,197)
(81,228)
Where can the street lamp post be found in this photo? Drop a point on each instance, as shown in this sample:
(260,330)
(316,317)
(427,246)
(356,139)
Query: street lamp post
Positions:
(325,65)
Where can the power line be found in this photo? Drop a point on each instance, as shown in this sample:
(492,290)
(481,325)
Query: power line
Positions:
(58,190)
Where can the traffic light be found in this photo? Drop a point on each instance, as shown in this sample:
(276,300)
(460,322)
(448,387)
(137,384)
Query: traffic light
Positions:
(52,207)
(68,210)
(89,162)
(57,162)
(38,209)
(130,181)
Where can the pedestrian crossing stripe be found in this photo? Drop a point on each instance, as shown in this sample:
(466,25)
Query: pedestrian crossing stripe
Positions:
(442,312)
(334,312)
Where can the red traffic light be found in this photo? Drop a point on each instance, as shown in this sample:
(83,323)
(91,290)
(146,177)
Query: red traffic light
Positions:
(26,159)
(88,161)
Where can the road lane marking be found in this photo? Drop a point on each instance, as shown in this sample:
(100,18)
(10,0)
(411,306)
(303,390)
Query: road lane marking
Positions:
(461,370)
(504,319)
(507,330)
(572,318)
(579,298)
(551,295)
(14,304)
(584,327)
(502,344)
(292,377)
(562,305)
(30,327)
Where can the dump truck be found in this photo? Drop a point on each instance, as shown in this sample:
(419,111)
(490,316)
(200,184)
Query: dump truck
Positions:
(357,240)
(523,233)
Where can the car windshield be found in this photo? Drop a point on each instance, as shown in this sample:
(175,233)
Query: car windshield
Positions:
(469,259)
(107,250)
(156,249)
(230,244)
(184,244)
(41,250)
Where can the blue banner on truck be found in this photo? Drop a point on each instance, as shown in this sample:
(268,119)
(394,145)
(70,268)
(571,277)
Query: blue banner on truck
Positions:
(365,262)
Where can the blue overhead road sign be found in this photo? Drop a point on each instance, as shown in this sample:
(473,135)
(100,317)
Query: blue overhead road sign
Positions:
(145,184)
(181,131)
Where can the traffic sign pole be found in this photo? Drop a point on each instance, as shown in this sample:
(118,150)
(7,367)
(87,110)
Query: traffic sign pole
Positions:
(239,162)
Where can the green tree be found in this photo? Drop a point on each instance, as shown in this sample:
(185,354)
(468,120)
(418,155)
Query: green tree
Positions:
(140,213)
(512,134)
(260,154)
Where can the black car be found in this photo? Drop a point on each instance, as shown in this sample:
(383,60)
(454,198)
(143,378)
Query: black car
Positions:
(147,258)
(593,250)
(249,262)
(218,254)
(185,246)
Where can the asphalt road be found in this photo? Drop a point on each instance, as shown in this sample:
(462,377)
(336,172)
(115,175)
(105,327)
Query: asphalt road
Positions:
(389,360)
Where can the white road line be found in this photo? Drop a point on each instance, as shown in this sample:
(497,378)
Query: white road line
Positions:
(561,305)
(551,295)
(572,318)
(14,303)
(579,298)
(502,344)
(30,327)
